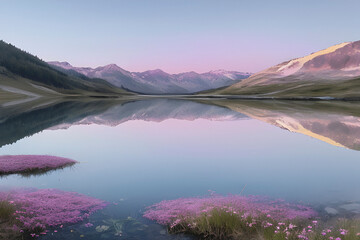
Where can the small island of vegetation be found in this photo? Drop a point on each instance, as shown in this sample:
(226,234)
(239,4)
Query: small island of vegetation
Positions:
(32,164)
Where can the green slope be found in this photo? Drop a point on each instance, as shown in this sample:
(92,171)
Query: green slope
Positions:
(339,89)
(19,66)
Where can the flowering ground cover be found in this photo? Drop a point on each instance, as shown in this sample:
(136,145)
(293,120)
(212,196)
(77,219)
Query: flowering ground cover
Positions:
(34,211)
(32,164)
(247,217)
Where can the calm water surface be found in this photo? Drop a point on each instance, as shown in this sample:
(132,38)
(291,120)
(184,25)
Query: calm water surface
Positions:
(138,153)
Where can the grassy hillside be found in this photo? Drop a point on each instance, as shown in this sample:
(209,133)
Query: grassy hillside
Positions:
(20,66)
(342,89)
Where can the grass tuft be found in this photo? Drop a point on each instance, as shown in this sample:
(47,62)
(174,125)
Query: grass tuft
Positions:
(249,218)
(7,211)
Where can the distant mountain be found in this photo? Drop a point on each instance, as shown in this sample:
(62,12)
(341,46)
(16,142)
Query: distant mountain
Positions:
(158,81)
(332,72)
(24,75)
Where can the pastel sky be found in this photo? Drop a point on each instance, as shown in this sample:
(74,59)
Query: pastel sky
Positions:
(178,35)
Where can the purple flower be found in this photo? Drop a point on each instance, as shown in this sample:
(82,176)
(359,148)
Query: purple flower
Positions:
(49,207)
(166,212)
(291,226)
(27,163)
(89,224)
(343,231)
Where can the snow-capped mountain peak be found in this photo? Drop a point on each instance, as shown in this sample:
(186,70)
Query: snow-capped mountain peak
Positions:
(64,65)
(157,81)
(112,67)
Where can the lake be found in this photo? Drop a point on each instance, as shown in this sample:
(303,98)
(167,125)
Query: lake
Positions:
(135,153)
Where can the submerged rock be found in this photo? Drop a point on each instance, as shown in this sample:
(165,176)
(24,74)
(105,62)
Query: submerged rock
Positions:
(102,228)
(331,211)
(128,225)
(352,207)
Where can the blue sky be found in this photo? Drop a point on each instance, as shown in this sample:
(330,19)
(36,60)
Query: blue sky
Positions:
(177,35)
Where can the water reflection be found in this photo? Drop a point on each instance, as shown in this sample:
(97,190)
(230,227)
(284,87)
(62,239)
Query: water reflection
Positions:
(139,152)
(25,120)
(158,110)
(337,123)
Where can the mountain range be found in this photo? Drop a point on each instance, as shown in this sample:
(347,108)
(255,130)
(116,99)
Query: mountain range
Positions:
(24,77)
(156,81)
(330,73)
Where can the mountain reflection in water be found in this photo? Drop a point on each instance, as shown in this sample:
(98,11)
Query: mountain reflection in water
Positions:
(337,123)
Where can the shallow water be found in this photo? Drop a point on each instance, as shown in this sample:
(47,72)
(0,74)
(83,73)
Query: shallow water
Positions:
(134,154)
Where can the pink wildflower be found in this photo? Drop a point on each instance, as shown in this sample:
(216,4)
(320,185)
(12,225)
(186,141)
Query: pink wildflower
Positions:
(27,163)
(50,207)
(89,224)
(166,212)
(291,226)
(343,231)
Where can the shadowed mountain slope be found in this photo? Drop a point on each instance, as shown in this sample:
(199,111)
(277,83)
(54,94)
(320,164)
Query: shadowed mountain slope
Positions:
(25,75)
